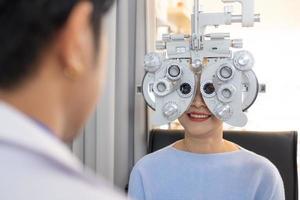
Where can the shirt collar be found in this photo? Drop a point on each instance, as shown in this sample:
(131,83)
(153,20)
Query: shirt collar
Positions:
(43,126)
(17,128)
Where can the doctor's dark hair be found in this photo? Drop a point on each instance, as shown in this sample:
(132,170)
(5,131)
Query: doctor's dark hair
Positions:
(28,27)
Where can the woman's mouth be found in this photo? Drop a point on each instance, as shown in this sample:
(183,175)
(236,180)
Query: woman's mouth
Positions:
(198,116)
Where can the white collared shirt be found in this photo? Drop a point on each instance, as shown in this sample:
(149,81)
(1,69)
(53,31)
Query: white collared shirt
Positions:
(35,165)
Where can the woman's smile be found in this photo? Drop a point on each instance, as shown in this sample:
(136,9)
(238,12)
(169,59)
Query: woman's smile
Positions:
(198,116)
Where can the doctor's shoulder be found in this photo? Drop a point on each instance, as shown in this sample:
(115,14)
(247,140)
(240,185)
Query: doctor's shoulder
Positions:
(27,175)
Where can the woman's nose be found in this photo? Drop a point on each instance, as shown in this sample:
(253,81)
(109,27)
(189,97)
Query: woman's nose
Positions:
(198,101)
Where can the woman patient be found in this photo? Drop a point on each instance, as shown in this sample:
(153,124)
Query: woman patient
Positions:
(204,166)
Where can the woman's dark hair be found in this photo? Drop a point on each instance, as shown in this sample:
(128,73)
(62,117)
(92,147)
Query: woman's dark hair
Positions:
(27,26)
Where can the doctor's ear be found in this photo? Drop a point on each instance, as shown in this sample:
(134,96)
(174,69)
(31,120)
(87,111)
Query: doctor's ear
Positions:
(76,41)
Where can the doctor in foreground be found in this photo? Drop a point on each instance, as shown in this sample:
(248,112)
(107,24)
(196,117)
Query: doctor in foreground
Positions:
(204,166)
(52,60)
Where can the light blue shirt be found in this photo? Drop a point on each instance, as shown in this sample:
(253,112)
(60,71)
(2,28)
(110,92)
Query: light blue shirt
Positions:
(171,174)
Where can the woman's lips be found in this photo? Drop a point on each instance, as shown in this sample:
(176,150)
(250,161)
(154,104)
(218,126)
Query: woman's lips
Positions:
(198,116)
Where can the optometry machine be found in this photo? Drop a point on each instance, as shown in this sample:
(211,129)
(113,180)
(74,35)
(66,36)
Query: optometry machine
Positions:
(227,82)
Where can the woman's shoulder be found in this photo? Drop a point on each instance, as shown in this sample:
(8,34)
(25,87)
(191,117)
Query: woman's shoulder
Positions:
(259,163)
(156,158)
(269,176)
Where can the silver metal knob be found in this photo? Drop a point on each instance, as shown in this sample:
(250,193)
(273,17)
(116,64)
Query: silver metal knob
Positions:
(152,62)
(170,110)
(196,64)
(223,112)
(243,60)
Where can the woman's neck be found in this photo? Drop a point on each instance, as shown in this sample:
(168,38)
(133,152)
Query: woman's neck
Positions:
(209,143)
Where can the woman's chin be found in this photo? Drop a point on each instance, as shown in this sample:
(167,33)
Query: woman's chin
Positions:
(197,131)
(198,128)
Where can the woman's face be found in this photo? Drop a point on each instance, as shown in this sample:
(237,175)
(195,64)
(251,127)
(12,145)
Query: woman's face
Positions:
(198,120)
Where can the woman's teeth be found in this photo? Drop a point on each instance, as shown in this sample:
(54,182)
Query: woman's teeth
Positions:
(199,116)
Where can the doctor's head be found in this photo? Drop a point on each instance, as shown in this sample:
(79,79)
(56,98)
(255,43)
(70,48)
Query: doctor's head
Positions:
(53,55)
(198,121)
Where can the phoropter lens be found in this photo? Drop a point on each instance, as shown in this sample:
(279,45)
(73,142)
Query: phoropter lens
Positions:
(185,88)
(161,87)
(226,93)
(174,71)
(209,88)
(226,72)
